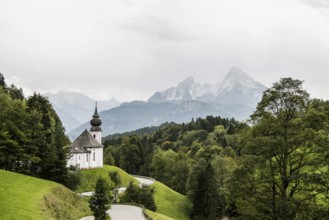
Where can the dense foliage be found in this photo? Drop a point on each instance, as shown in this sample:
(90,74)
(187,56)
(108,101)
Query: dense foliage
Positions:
(274,167)
(283,173)
(32,137)
(181,156)
(139,194)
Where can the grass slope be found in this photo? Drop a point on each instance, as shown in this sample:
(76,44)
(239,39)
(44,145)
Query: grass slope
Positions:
(171,203)
(89,177)
(25,197)
(157,216)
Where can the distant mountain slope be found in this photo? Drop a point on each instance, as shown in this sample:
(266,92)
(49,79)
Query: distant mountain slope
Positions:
(235,96)
(75,108)
(129,116)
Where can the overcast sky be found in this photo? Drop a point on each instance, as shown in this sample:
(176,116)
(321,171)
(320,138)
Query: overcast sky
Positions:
(131,48)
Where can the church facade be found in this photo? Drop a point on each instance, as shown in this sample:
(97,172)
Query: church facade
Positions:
(87,150)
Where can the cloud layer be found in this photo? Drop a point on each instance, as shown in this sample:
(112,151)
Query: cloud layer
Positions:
(129,49)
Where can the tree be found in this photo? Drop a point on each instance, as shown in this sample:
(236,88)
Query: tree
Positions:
(140,194)
(99,203)
(115,178)
(51,140)
(278,173)
(130,158)
(2,81)
(223,166)
(15,93)
(205,198)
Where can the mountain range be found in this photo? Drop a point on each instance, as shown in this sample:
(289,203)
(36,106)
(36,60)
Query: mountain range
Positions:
(75,109)
(237,87)
(235,96)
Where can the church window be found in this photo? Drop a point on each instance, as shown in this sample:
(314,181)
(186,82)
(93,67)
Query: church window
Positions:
(79,157)
(87,157)
(94,135)
(94,156)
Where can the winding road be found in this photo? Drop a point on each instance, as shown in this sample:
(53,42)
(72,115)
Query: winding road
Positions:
(124,212)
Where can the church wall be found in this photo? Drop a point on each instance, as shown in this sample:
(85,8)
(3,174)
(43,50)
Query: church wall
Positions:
(79,160)
(96,157)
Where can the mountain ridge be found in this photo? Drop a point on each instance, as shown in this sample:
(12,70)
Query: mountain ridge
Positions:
(236,96)
(76,108)
(188,89)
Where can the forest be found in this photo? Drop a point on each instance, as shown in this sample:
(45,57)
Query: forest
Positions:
(32,138)
(273,166)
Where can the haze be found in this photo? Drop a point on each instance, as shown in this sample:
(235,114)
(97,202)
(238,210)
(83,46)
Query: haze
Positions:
(130,49)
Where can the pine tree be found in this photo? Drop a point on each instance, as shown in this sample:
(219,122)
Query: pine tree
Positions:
(205,198)
(99,203)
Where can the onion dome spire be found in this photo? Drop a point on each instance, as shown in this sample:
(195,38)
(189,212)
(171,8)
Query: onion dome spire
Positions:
(96,122)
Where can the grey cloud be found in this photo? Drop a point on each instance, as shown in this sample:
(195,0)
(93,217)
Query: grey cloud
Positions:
(160,29)
(317,3)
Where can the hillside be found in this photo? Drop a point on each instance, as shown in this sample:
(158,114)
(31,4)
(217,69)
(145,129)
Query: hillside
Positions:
(25,197)
(89,177)
(168,202)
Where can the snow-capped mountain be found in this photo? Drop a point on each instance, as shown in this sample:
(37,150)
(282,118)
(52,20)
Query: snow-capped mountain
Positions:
(237,87)
(235,96)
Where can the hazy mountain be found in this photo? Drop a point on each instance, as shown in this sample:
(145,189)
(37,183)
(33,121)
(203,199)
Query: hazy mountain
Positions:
(128,117)
(185,90)
(235,96)
(237,87)
(68,121)
(75,108)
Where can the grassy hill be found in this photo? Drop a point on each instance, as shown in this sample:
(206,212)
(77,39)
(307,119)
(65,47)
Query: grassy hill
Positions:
(157,216)
(25,197)
(169,202)
(89,177)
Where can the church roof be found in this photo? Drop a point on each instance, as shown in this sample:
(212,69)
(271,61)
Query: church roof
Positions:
(85,140)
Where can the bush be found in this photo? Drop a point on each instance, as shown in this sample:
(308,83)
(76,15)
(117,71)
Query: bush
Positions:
(73,180)
(143,195)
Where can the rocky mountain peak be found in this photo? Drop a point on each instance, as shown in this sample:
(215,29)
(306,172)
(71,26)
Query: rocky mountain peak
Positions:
(188,83)
(237,74)
(236,77)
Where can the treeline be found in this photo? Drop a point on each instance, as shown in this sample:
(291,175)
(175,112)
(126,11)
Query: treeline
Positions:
(180,155)
(274,167)
(32,137)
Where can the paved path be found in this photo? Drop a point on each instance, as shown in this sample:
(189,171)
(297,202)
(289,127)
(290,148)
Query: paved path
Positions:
(124,212)
(144,181)
(87,193)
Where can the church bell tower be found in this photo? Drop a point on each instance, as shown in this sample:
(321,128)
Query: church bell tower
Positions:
(96,130)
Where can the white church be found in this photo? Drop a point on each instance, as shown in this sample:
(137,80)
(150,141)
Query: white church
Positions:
(87,150)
